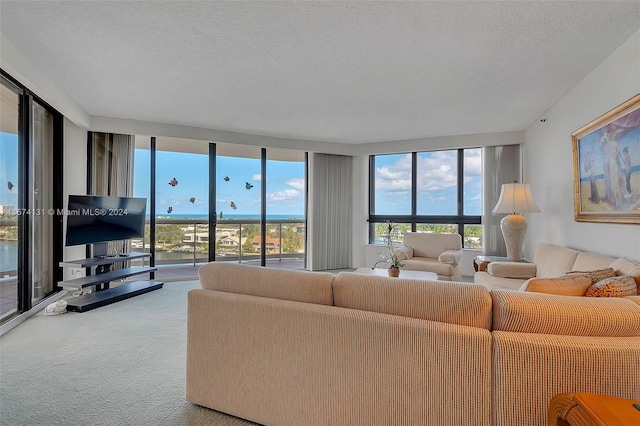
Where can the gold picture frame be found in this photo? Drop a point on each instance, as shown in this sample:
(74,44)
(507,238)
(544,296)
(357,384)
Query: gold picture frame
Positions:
(606,166)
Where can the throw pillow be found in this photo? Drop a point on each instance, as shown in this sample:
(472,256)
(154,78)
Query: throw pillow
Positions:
(597,275)
(613,287)
(626,266)
(568,285)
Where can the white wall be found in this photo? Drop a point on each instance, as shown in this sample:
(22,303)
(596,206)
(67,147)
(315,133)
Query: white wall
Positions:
(548,161)
(75,182)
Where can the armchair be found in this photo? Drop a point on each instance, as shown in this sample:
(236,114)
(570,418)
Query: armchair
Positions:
(439,253)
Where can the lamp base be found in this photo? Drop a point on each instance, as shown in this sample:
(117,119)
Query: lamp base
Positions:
(514,228)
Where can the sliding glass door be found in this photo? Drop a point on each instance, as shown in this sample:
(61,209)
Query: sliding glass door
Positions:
(30,199)
(10,169)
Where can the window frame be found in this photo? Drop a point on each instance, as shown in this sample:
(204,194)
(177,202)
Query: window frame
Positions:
(459,219)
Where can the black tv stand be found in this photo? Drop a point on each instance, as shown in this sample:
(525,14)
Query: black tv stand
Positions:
(101,278)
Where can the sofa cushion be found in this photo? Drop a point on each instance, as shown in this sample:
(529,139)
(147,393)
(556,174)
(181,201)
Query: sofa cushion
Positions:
(430,265)
(568,285)
(512,269)
(597,275)
(449,302)
(299,286)
(431,244)
(553,260)
(626,266)
(613,287)
(524,312)
(587,261)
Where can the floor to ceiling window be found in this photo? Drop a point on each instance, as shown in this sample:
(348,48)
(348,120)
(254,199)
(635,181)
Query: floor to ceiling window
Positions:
(218,201)
(30,199)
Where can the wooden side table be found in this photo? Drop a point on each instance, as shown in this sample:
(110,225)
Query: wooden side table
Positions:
(586,409)
(480,263)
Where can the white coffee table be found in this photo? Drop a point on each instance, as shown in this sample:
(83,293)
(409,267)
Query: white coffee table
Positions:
(404,273)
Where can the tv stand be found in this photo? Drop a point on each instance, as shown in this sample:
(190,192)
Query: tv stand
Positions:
(101,278)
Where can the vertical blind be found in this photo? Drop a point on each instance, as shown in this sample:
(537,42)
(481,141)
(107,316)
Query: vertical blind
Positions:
(330,212)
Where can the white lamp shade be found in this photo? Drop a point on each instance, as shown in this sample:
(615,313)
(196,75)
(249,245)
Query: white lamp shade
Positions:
(516,198)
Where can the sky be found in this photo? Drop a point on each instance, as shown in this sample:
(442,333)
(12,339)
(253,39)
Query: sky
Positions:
(8,169)
(285,184)
(436,170)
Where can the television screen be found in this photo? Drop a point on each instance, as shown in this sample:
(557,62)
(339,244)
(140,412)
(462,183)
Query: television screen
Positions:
(99,218)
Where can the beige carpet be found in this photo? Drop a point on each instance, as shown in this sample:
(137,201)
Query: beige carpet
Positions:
(122,364)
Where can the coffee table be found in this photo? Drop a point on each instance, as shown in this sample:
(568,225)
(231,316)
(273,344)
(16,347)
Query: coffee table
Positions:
(404,273)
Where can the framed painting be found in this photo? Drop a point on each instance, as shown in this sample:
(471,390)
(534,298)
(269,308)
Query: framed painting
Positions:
(606,166)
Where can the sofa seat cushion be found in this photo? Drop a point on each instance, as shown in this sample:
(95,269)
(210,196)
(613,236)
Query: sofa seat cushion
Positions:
(568,285)
(524,312)
(428,264)
(449,302)
(613,287)
(299,286)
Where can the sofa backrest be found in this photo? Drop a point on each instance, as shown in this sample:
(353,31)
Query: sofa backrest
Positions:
(299,286)
(525,312)
(449,302)
(552,260)
(431,245)
(587,261)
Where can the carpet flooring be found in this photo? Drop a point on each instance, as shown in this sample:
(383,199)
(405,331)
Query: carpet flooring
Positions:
(121,364)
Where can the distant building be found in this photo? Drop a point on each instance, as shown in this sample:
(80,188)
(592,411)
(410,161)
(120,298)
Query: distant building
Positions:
(201,238)
(232,241)
(272,244)
(7,209)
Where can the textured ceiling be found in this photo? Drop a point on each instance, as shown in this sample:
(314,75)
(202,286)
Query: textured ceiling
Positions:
(350,72)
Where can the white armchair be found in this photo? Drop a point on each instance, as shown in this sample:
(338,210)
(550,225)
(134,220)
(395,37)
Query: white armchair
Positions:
(439,253)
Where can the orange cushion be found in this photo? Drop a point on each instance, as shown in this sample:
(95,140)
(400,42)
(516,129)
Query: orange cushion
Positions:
(566,285)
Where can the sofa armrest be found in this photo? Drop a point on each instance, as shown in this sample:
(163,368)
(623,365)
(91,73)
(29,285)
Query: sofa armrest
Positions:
(512,269)
(450,256)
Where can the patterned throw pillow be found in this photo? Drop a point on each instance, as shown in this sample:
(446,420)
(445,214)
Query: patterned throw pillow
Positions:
(626,266)
(613,287)
(597,275)
(568,285)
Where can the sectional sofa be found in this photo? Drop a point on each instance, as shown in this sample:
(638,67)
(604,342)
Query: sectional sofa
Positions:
(281,347)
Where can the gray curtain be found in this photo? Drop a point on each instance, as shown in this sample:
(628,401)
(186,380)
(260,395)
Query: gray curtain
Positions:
(330,215)
(501,164)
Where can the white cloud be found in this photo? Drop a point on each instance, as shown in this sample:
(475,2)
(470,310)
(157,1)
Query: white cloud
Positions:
(437,171)
(256,178)
(297,183)
(395,177)
(473,162)
(284,195)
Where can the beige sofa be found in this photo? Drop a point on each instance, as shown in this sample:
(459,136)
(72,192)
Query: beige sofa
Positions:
(282,347)
(549,260)
(439,253)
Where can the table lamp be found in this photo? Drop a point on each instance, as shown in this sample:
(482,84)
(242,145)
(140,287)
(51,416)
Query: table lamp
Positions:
(515,197)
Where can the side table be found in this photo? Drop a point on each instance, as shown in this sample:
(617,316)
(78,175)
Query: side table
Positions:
(480,263)
(588,409)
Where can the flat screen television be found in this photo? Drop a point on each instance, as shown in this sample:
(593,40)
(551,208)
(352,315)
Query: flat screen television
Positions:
(93,219)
